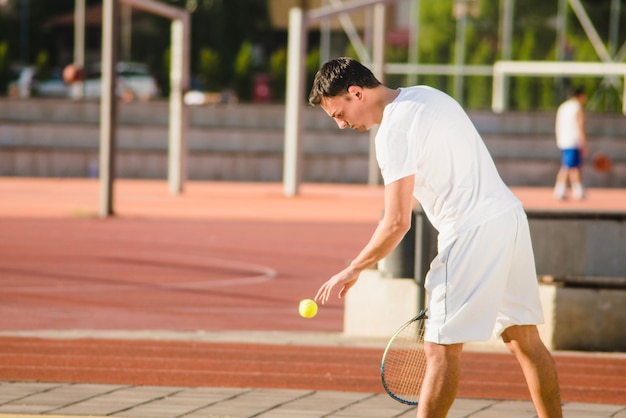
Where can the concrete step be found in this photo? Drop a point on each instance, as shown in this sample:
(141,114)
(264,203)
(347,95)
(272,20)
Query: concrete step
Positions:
(155,138)
(53,137)
(25,134)
(155,113)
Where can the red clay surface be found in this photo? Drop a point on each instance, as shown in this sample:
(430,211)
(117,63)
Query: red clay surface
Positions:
(583,378)
(221,256)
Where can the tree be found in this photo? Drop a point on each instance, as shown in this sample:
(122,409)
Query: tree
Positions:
(226,25)
(244,79)
(210,70)
(4,67)
(278,74)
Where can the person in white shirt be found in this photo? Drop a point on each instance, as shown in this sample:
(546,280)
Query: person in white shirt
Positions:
(483,280)
(571,140)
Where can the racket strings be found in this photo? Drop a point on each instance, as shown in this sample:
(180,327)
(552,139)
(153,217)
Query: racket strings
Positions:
(405,363)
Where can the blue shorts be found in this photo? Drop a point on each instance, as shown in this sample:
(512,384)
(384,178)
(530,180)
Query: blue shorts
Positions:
(571,158)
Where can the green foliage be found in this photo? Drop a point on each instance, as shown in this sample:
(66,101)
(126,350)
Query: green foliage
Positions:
(534,39)
(221,25)
(5,71)
(481,49)
(42,65)
(234,30)
(602,96)
(437,30)
(24,40)
(312,65)
(436,35)
(548,91)
(278,74)
(226,25)
(479,87)
(350,52)
(243,72)
(523,87)
(396,55)
(210,69)
(166,65)
(42,69)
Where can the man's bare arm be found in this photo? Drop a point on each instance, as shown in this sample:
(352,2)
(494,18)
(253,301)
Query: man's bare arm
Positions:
(393,226)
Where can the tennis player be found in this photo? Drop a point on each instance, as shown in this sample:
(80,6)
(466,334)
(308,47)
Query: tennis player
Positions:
(483,280)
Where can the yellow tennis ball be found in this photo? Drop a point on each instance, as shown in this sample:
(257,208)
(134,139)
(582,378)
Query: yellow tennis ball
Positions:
(307,308)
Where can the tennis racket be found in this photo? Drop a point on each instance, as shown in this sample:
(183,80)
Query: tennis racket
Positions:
(404,363)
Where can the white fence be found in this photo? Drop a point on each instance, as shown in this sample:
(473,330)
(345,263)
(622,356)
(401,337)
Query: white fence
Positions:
(504,69)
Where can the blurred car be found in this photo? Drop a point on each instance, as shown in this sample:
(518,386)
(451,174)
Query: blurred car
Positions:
(26,83)
(198,96)
(134,81)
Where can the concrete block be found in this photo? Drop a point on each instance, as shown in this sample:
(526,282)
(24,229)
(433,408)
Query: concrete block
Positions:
(576,318)
(583,318)
(578,244)
(377,307)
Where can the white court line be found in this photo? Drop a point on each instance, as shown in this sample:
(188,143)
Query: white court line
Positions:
(263,273)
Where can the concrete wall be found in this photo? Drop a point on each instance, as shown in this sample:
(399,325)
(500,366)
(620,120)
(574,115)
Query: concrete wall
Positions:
(49,137)
(580,258)
(568,245)
(583,318)
(576,318)
(579,244)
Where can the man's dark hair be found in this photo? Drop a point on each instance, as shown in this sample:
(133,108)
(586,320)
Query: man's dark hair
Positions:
(337,75)
(577,91)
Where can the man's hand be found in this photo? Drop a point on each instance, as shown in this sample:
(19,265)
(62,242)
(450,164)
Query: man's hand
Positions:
(395,223)
(584,150)
(344,279)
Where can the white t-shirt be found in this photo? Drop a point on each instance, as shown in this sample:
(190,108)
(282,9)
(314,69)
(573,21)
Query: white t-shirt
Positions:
(426,133)
(566,127)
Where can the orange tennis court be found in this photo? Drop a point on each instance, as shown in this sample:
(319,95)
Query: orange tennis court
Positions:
(220,257)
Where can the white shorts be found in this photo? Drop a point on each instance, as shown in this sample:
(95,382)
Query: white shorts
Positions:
(483,283)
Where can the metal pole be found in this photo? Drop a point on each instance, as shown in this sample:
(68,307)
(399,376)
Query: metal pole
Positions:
(590,30)
(324,38)
(561,40)
(506,27)
(333,10)
(127,30)
(561,30)
(614,26)
(24,30)
(378,68)
(298,24)
(613,41)
(77,90)
(352,34)
(506,34)
(414,25)
(296,50)
(459,50)
(425,250)
(108,104)
(179,82)
(498,100)
(378,44)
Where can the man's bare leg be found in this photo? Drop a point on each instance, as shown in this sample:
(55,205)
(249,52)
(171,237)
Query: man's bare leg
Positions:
(441,381)
(538,367)
(560,188)
(575,179)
